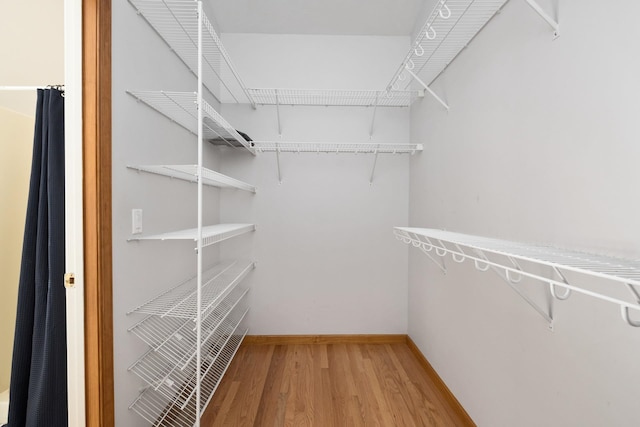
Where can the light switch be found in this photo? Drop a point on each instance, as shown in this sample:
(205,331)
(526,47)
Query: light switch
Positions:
(136,221)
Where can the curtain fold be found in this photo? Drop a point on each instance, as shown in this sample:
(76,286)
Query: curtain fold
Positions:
(38,390)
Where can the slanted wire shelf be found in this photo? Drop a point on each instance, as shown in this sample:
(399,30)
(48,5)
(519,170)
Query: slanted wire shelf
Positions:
(319,97)
(441,39)
(172,368)
(211,234)
(160,410)
(174,336)
(180,300)
(182,108)
(176,22)
(622,271)
(190,173)
(336,147)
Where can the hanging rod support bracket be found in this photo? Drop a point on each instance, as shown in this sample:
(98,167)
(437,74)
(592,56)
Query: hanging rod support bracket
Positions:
(278,113)
(375,161)
(278,162)
(553,23)
(428,89)
(373,119)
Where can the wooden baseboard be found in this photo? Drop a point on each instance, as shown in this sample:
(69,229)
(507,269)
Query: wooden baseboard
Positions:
(323,339)
(442,387)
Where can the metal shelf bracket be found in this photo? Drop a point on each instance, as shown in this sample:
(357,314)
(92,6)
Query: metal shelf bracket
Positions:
(278,162)
(373,119)
(553,23)
(504,273)
(375,161)
(428,89)
(278,113)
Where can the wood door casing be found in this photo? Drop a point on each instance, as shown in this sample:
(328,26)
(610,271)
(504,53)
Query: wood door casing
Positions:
(96,112)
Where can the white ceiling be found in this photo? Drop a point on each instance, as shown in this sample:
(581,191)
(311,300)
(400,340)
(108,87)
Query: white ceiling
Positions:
(332,17)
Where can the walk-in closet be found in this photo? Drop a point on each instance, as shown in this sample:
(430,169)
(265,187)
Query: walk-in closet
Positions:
(354,212)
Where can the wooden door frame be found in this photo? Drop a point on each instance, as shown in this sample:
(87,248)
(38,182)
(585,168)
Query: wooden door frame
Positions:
(98,297)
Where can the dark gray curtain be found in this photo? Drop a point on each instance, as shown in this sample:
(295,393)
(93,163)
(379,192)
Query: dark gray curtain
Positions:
(38,393)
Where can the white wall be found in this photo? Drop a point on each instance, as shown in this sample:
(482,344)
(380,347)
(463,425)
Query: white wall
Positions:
(141,270)
(327,260)
(541,144)
(33,49)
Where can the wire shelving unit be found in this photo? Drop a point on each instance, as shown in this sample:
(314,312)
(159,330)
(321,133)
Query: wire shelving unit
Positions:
(513,261)
(180,301)
(211,234)
(170,367)
(161,410)
(351,98)
(177,23)
(193,329)
(190,173)
(171,362)
(182,108)
(447,30)
(336,147)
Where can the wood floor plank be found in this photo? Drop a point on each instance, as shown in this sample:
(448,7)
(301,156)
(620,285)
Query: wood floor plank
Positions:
(391,388)
(329,385)
(444,413)
(225,407)
(424,410)
(245,406)
(385,413)
(304,405)
(368,406)
(338,387)
(320,385)
(272,405)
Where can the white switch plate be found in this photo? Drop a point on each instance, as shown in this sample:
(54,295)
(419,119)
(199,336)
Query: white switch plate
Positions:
(136,221)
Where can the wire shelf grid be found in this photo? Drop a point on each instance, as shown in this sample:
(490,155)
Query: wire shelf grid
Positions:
(623,271)
(175,339)
(190,173)
(210,234)
(337,147)
(441,39)
(161,410)
(172,377)
(176,22)
(319,97)
(180,300)
(182,108)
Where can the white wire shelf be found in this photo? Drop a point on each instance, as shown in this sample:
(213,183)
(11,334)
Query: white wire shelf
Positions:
(190,173)
(507,257)
(182,108)
(160,410)
(175,337)
(180,301)
(176,22)
(351,98)
(335,147)
(171,366)
(210,234)
(449,28)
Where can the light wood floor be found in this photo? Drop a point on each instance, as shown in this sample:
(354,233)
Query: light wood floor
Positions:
(328,386)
